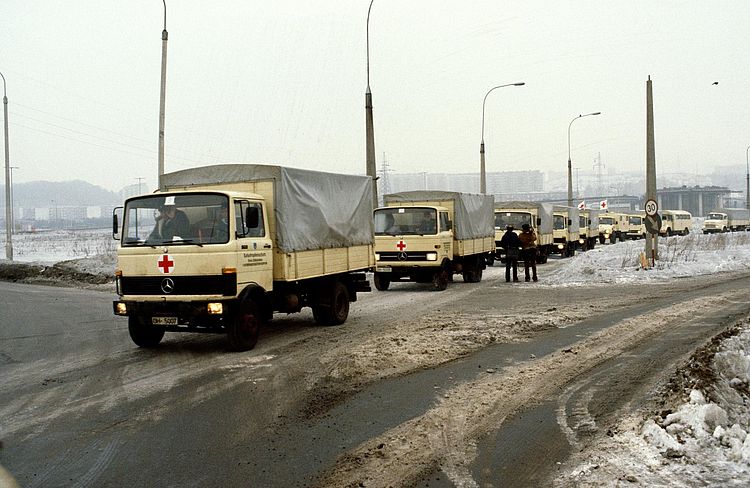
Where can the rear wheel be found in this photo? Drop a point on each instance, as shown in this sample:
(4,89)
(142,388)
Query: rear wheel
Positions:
(143,334)
(334,309)
(382,281)
(244,328)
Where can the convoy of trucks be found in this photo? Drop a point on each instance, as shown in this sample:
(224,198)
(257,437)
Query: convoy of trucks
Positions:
(428,236)
(243,242)
(726,220)
(222,248)
(516,213)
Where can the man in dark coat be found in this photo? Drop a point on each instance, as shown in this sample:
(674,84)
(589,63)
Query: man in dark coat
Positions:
(512,245)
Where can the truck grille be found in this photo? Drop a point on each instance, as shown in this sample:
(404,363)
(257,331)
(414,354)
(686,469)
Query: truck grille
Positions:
(403,256)
(225,285)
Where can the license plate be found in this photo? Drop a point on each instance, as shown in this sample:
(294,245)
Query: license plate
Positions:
(164,320)
(383,269)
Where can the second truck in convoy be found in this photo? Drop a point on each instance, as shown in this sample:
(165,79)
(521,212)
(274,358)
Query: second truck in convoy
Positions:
(516,213)
(428,236)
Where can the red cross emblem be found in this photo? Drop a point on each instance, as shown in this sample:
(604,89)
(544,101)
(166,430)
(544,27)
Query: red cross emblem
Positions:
(165,264)
(401,245)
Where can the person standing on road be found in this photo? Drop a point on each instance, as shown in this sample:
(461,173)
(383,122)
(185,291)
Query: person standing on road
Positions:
(511,243)
(528,250)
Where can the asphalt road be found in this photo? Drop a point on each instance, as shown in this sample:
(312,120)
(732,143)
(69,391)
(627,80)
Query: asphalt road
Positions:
(82,406)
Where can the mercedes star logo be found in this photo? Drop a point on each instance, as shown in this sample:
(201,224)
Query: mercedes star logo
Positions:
(402,256)
(167,285)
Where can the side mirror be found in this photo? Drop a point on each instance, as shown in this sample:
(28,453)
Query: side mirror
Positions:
(252,217)
(115,224)
(538,221)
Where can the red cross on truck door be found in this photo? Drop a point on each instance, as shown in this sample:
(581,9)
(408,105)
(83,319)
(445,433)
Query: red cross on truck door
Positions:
(401,245)
(165,264)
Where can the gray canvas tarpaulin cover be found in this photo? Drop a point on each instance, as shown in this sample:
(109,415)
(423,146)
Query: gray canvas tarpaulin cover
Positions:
(544,210)
(474,214)
(314,210)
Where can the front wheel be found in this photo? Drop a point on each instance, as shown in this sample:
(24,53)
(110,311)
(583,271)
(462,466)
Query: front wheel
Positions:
(334,309)
(244,328)
(440,280)
(144,335)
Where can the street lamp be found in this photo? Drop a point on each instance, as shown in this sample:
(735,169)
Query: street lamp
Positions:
(162,94)
(482,172)
(570,167)
(8,234)
(370,168)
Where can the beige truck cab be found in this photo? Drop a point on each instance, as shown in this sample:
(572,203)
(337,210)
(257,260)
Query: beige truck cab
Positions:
(676,222)
(636,226)
(516,213)
(613,226)
(588,228)
(565,230)
(428,236)
(221,248)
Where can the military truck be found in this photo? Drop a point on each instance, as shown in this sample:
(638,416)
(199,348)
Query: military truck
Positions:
(245,241)
(428,236)
(588,228)
(636,226)
(565,230)
(612,226)
(675,222)
(516,213)
(726,220)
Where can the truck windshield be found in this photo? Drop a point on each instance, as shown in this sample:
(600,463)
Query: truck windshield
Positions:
(405,221)
(516,219)
(715,216)
(178,218)
(606,220)
(558,222)
(635,220)
(582,221)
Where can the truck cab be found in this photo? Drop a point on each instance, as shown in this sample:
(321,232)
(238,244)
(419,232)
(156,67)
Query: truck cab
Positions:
(636,227)
(716,222)
(565,230)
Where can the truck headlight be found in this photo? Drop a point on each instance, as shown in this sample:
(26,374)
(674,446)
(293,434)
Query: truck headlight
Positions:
(431,256)
(377,256)
(606,234)
(121,308)
(561,246)
(581,241)
(215,308)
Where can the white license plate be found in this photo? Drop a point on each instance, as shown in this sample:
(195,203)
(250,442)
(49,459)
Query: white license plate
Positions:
(164,320)
(383,269)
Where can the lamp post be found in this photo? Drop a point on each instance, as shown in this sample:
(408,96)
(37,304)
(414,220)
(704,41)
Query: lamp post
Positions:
(747,187)
(162,94)
(12,204)
(371,170)
(570,167)
(8,216)
(482,172)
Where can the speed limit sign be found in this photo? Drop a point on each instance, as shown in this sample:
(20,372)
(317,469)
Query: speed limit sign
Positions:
(651,207)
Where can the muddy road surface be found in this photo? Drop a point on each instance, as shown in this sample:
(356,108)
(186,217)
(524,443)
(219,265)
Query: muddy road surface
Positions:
(418,388)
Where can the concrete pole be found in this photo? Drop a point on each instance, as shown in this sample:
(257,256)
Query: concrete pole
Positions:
(162,94)
(369,129)
(652,241)
(8,216)
(747,187)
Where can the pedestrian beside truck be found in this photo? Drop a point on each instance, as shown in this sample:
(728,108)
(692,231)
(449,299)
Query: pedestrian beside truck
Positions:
(528,251)
(512,245)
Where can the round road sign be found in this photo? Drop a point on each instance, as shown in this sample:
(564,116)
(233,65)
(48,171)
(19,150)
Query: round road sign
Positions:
(651,207)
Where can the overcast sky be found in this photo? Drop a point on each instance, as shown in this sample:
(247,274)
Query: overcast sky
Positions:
(283,82)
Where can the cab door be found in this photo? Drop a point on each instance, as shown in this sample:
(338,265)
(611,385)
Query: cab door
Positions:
(254,244)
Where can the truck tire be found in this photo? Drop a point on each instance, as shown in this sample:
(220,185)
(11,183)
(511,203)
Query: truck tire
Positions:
(440,280)
(601,239)
(473,271)
(335,309)
(382,281)
(143,334)
(244,327)
(490,259)
(612,238)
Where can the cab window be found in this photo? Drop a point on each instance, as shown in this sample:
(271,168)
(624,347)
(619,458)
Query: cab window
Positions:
(244,227)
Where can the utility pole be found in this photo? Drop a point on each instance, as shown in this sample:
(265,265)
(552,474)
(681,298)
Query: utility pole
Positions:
(598,166)
(652,240)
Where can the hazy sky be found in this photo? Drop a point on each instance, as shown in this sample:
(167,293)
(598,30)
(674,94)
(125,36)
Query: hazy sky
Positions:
(283,82)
